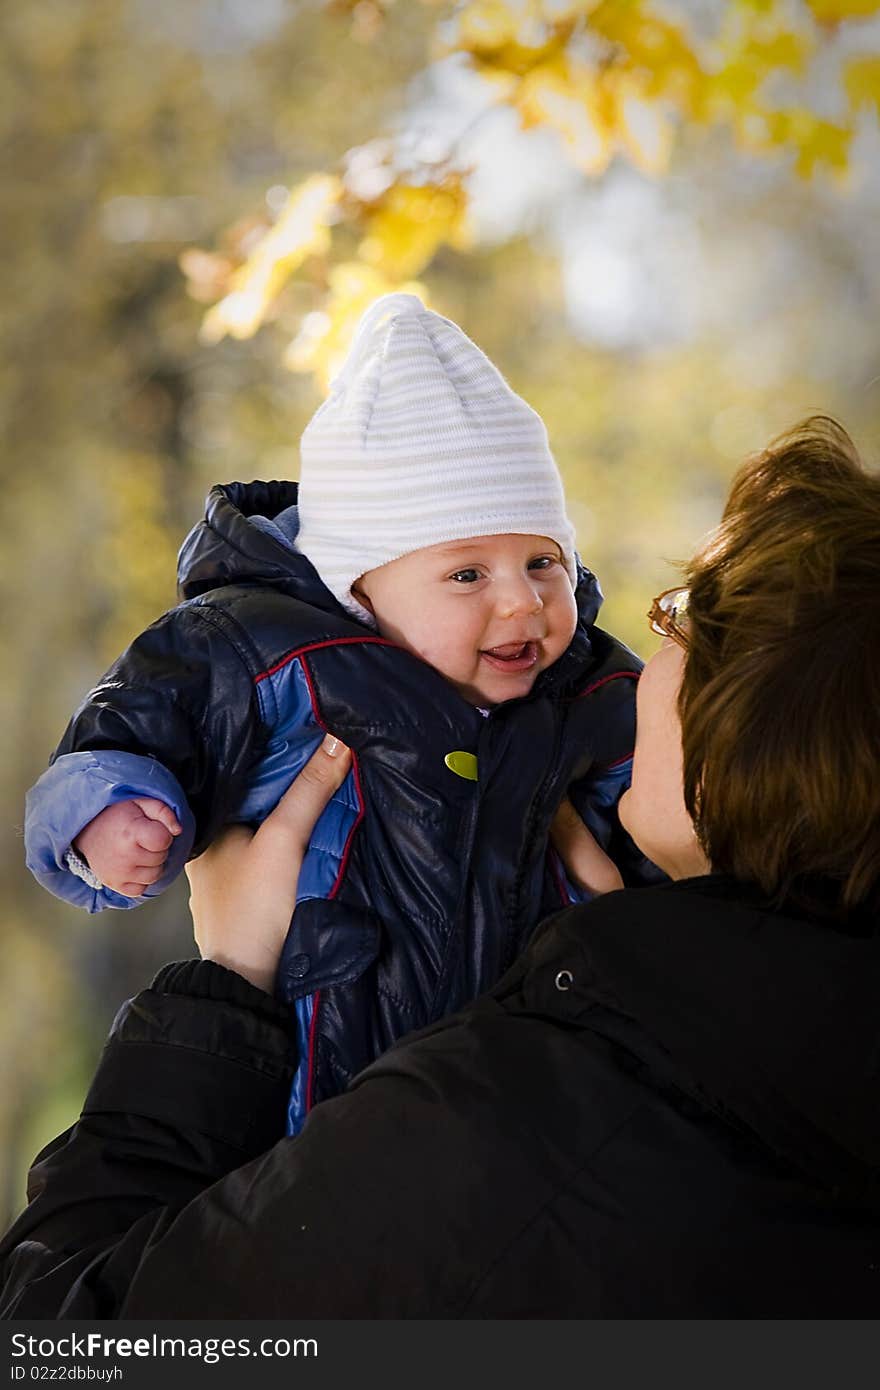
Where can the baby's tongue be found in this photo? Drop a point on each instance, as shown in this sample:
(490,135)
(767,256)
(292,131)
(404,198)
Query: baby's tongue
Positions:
(508,651)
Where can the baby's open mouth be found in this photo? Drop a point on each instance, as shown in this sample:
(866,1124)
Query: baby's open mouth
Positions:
(512,656)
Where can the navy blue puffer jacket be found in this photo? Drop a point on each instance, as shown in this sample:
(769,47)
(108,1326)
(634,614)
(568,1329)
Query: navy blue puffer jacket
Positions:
(421,885)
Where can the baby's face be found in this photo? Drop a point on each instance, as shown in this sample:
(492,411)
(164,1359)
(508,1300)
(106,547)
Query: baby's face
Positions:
(489,613)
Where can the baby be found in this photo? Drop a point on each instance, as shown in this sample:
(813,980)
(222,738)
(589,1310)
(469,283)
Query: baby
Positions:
(419,596)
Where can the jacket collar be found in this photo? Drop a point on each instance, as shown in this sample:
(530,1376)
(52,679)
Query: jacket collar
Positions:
(765,1016)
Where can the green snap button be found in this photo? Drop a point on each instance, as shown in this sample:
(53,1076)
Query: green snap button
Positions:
(462,764)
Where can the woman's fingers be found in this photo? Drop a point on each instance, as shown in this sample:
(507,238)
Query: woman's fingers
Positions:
(567,825)
(283,838)
(585,862)
(243,888)
(302,804)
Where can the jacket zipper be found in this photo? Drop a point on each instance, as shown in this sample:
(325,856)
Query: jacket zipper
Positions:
(515,912)
(466,850)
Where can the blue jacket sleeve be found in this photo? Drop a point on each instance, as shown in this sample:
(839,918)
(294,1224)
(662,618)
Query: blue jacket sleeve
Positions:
(176,717)
(75,789)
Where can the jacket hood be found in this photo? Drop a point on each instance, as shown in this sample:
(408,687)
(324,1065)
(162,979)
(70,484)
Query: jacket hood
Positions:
(248,536)
(768,1017)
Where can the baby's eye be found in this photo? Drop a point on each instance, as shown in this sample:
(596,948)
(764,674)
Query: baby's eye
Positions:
(542,562)
(465,576)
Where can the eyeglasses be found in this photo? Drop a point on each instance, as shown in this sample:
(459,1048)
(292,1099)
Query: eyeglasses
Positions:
(668,615)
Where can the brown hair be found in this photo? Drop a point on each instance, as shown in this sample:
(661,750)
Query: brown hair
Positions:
(780,700)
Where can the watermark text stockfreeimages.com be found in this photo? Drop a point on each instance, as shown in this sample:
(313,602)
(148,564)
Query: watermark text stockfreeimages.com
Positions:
(79,1346)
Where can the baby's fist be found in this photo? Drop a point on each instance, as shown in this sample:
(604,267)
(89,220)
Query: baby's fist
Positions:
(127,844)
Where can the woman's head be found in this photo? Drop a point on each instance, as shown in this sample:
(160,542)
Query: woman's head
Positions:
(779,697)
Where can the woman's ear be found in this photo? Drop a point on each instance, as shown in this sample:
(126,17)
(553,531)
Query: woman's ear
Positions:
(361,595)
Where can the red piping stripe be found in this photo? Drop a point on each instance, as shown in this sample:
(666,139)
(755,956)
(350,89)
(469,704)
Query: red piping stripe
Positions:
(615,676)
(606,767)
(313,697)
(343,865)
(316,646)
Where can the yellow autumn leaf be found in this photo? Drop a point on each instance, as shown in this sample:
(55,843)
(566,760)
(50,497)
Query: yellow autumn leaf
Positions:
(536,88)
(570,104)
(325,335)
(302,230)
(648,40)
(783,49)
(653,53)
(861,81)
(837,11)
(732,86)
(403,235)
(604,100)
(827,147)
(691,93)
(510,39)
(816,142)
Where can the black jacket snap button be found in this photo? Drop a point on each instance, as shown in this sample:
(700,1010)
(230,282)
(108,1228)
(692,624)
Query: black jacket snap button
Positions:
(300,966)
(564,980)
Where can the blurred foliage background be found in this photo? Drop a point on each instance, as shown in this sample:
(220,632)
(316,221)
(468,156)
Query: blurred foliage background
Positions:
(659,219)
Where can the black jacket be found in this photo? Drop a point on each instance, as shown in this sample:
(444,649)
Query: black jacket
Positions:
(667,1108)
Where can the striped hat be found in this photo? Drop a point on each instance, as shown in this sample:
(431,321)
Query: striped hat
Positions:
(420,441)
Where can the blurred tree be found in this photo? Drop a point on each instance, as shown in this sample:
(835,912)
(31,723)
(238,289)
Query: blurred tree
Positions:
(129,128)
(609,77)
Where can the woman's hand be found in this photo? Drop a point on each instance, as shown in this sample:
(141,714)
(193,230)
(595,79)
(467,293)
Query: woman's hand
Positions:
(243,888)
(586,864)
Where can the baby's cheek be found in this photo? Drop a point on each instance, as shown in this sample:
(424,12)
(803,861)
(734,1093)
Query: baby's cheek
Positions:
(452,662)
(570,624)
(440,645)
(562,639)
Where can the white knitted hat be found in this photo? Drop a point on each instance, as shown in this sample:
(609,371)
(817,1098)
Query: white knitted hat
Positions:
(420,441)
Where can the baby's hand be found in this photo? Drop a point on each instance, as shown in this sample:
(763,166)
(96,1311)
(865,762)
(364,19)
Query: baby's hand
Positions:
(586,864)
(127,844)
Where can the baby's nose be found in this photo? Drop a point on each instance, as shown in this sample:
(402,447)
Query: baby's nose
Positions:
(519,599)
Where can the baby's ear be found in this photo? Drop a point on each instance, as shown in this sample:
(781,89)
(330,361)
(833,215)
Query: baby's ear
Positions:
(361,597)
